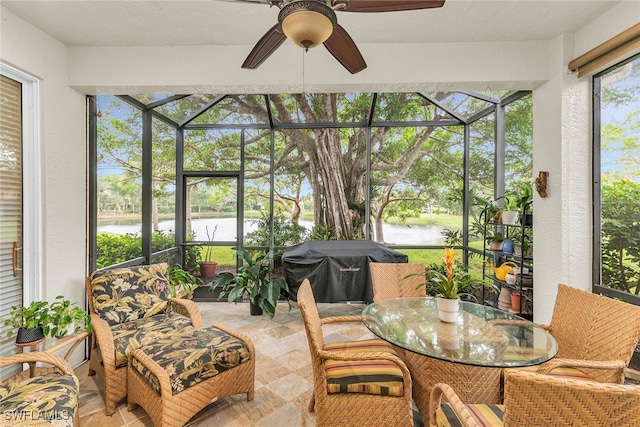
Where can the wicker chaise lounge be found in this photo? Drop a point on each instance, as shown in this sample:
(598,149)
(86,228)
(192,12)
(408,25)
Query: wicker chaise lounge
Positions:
(130,307)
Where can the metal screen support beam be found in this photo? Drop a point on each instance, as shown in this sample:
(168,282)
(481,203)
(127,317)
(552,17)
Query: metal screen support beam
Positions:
(500,130)
(181,199)
(466,205)
(147,183)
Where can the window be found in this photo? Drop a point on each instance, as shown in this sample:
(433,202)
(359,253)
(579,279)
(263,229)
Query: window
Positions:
(617,180)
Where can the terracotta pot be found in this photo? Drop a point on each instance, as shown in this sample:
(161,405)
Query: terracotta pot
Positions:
(208,270)
(516,300)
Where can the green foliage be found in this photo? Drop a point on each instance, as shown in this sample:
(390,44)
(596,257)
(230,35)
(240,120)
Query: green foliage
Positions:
(322,232)
(621,236)
(452,237)
(181,282)
(63,313)
(117,248)
(254,279)
(285,232)
(510,203)
(54,318)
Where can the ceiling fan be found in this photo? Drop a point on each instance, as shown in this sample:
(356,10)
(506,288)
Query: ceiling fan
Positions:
(309,23)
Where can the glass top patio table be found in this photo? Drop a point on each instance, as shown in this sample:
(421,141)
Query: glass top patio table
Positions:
(481,335)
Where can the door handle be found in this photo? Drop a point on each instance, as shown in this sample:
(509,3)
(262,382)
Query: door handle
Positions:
(14,259)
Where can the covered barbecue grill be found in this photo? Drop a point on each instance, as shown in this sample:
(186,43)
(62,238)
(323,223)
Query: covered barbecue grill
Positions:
(338,270)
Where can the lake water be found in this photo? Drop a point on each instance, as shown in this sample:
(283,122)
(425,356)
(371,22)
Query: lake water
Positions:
(393,234)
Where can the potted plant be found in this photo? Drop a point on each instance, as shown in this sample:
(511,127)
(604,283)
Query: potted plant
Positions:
(510,211)
(29,320)
(490,209)
(495,241)
(65,317)
(448,283)
(253,280)
(40,319)
(523,202)
(208,265)
(182,284)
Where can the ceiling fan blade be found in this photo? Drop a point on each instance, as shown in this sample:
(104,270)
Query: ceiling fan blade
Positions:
(343,48)
(265,47)
(390,5)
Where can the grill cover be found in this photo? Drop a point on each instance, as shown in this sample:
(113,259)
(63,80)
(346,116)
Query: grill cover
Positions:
(338,270)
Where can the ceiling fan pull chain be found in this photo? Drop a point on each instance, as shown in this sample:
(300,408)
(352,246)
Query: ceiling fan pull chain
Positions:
(304,51)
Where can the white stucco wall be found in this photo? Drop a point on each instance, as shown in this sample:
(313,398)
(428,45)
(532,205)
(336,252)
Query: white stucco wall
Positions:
(63,156)
(562,141)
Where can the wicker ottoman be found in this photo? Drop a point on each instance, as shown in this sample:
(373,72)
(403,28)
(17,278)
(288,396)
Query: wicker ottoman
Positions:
(176,376)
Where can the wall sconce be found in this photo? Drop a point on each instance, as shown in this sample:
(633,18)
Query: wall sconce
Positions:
(541,183)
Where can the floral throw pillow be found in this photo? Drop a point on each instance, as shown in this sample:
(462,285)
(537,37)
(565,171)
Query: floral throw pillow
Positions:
(130,293)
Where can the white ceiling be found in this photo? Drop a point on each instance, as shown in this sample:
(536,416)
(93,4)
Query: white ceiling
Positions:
(223,22)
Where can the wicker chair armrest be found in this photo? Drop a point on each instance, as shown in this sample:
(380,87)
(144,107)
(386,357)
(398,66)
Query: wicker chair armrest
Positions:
(38,356)
(187,308)
(103,338)
(440,391)
(240,336)
(340,319)
(154,368)
(612,365)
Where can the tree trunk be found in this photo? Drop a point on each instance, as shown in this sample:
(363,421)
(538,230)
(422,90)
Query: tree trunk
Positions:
(331,174)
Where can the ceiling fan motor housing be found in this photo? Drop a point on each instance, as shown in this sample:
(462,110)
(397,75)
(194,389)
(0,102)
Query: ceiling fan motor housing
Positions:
(307,23)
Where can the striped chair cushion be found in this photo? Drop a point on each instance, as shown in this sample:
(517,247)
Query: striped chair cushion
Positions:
(483,415)
(380,377)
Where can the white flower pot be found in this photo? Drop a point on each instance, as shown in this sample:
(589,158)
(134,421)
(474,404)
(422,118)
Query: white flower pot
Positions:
(510,217)
(448,309)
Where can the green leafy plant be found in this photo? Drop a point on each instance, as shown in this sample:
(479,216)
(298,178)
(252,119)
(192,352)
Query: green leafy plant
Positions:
(450,281)
(254,280)
(510,203)
(181,282)
(29,317)
(54,318)
(494,237)
(62,314)
(523,200)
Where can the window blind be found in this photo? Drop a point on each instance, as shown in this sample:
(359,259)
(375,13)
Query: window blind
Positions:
(607,52)
(10,198)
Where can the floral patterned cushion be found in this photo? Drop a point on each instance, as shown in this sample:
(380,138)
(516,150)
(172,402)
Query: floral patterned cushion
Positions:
(126,294)
(45,399)
(190,357)
(132,335)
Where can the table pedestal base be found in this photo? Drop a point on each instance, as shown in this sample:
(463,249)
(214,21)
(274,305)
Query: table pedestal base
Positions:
(474,384)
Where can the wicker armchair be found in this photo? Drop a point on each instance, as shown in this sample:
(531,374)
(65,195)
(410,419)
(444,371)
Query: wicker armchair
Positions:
(389,280)
(356,383)
(50,397)
(595,334)
(533,399)
(129,307)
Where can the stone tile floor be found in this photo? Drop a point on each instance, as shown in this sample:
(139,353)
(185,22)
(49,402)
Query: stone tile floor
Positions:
(283,371)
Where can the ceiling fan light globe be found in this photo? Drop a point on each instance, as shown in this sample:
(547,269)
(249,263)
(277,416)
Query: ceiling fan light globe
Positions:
(307,23)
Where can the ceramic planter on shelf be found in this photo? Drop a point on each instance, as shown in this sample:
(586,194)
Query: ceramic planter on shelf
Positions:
(510,217)
(448,309)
